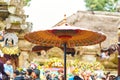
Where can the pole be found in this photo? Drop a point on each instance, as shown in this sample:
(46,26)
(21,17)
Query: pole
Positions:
(119,56)
(64,61)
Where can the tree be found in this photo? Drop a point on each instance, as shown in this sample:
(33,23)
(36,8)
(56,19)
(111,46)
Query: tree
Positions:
(101,5)
(27,2)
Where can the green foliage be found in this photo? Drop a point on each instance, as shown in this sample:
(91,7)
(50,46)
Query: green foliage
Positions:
(101,5)
(27,2)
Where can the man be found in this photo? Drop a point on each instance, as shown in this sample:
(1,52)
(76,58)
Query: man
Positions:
(36,74)
(17,75)
(8,69)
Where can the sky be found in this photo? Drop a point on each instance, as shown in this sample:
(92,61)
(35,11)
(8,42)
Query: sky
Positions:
(46,13)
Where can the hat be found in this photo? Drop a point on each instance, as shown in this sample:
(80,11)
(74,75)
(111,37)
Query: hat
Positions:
(16,72)
(37,72)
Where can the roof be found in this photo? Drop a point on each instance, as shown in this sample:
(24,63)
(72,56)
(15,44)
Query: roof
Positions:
(106,22)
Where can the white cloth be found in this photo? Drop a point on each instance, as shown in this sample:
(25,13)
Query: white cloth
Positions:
(104,56)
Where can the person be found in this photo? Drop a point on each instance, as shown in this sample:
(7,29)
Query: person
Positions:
(17,76)
(54,76)
(107,75)
(29,74)
(104,54)
(99,73)
(9,42)
(77,78)
(48,75)
(36,74)
(86,75)
(3,75)
(8,69)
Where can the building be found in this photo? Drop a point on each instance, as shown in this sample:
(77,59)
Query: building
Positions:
(13,26)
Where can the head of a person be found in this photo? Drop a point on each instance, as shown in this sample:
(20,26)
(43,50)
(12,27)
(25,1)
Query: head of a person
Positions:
(36,73)
(29,72)
(8,62)
(16,73)
(77,78)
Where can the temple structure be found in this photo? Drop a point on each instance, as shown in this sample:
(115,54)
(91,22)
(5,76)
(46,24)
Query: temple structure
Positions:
(13,26)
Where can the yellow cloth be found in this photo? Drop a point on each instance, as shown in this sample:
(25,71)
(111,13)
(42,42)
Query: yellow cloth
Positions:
(10,50)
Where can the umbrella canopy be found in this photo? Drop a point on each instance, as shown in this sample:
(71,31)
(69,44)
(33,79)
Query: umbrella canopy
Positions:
(72,36)
(65,36)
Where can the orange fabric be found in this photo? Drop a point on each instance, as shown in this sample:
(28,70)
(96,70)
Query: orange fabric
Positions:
(70,37)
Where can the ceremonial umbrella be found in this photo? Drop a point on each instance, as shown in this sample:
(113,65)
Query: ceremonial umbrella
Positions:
(65,36)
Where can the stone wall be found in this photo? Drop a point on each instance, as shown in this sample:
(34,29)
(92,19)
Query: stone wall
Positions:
(13,20)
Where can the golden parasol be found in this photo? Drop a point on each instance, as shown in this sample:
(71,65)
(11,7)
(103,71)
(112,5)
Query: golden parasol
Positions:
(72,36)
(65,36)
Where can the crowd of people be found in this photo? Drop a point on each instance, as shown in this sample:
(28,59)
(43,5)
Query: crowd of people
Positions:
(8,73)
(33,73)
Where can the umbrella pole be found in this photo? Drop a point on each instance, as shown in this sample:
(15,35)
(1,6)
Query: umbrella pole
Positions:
(64,61)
